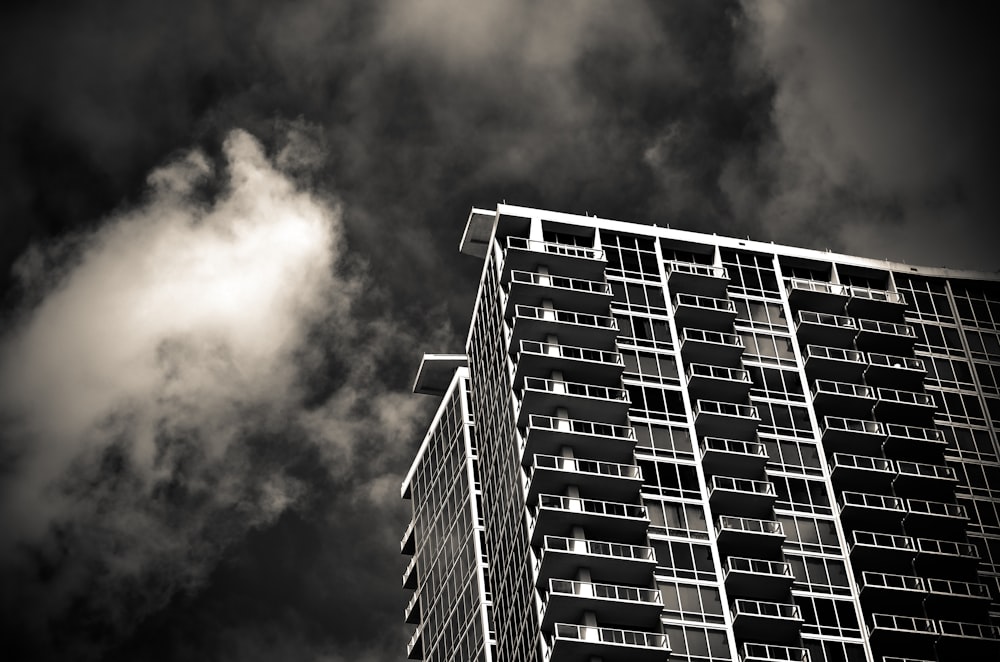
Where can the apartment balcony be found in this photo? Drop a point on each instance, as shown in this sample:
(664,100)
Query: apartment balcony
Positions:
(594,366)
(852,435)
(874,304)
(577,294)
(825,329)
(910,441)
(746,535)
(557,515)
(754,652)
(411,614)
(627,606)
(741,497)
(934,518)
(407,544)
(756,578)
(704,312)
(967,641)
(529,254)
(701,346)
(946,558)
(834,364)
(700,279)
(889,337)
(601,404)
(770,621)
(725,419)
(575,329)
(561,557)
(415,646)
(732,457)
(718,382)
(552,474)
(862,473)
(571,643)
(816,295)
(882,551)
(843,398)
(869,512)
(547,435)
(899,594)
(916,479)
(906,635)
(410,574)
(949,598)
(894,371)
(895,406)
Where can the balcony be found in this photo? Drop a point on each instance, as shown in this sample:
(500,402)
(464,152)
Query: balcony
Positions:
(770,621)
(862,473)
(945,558)
(968,641)
(756,578)
(577,294)
(732,457)
(407,545)
(571,643)
(700,279)
(601,404)
(834,364)
(894,371)
(415,646)
(910,441)
(875,336)
(905,635)
(949,598)
(561,557)
(611,603)
(411,614)
(749,536)
(874,304)
(547,435)
(704,312)
(882,551)
(901,594)
(557,515)
(529,254)
(852,435)
(741,497)
(816,295)
(576,329)
(934,518)
(410,574)
(753,652)
(871,511)
(843,398)
(924,479)
(553,474)
(724,419)
(594,366)
(895,406)
(825,329)
(718,382)
(700,346)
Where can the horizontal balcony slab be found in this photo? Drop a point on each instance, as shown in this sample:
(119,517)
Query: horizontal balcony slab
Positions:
(741,498)
(553,474)
(566,602)
(843,399)
(577,329)
(593,366)
(862,473)
(889,338)
(732,457)
(700,279)
(754,537)
(905,407)
(914,442)
(825,330)
(599,404)
(608,520)
(816,296)
(854,436)
(704,312)
(571,643)
(528,254)
(767,621)
(547,435)
(899,594)
(761,580)
(711,347)
(575,294)
(884,370)
(834,364)
(871,512)
(901,635)
(924,480)
(723,419)
(879,551)
(561,557)
(873,304)
(718,383)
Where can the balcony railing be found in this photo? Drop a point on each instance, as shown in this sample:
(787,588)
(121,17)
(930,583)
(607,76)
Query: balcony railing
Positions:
(407,544)
(765,620)
(884,580)
(934,516)
(556,513)
(704,312)
(604,591)
(747,534)
(852,435)
(631,564)
(914,441)
(945,558)
(720,382)
(898,623)
(757,578)
(862,472)
(754,652)
(582,295)
(410,574)
(882,550)
(884,336)
(843,398)
(572,641)
(585,466)
(725,419)
(733,457)
(553,473)
(864,510)
(834,363)
(414,647)
(967,641)
(741,496)
(602,403)
(949,587)
(916,478)
(871,303)
(546,435)
(538,359)
(694,278)
(898,406)
(528,254)
(573,328)
(702,346)
(816,295)
(896,371)
(825,329)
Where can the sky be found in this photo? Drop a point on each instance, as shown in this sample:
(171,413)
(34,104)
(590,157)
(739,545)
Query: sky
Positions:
(231,230)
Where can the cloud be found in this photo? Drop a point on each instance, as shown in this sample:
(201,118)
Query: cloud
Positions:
(156,395)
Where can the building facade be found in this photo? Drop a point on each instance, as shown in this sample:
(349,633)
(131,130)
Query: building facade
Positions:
(661,444)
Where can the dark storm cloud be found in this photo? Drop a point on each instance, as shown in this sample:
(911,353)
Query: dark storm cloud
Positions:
(267,525)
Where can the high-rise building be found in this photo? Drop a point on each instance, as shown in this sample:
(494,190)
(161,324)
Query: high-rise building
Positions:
(661,444)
